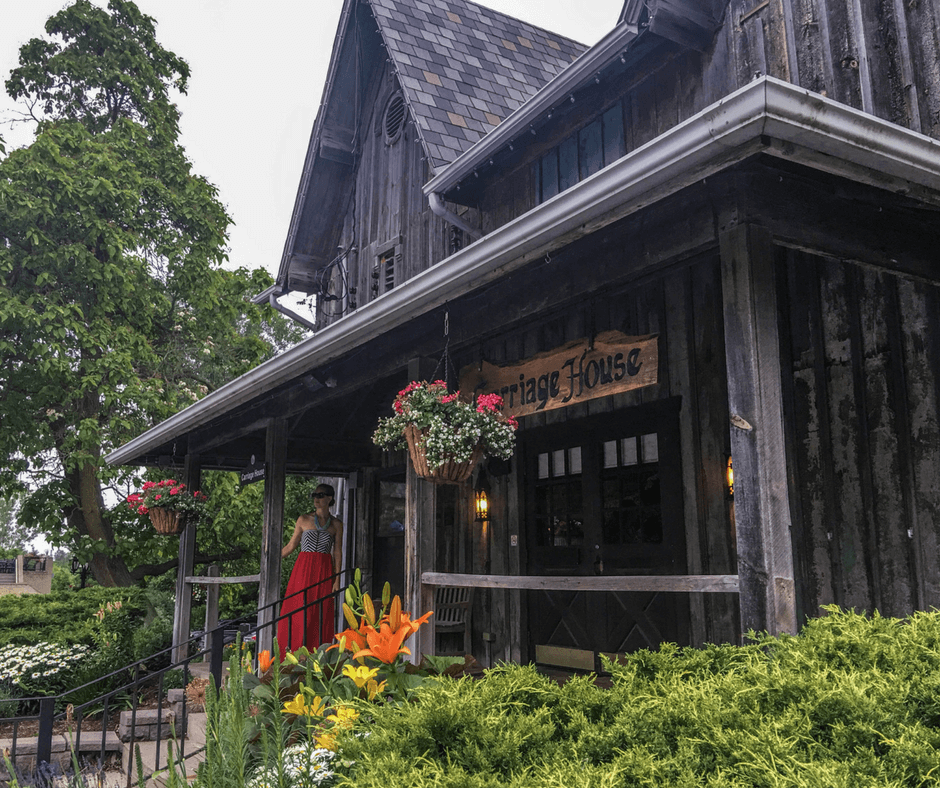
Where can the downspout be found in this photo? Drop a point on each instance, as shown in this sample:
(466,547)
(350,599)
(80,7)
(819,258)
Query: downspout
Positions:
(272,301)
(438,209)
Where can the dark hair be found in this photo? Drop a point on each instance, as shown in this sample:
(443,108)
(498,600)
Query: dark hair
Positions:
(328,488)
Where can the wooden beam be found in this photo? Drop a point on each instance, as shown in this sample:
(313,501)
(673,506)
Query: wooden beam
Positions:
(714,584)
(182,609)
(272,529)
(210,580)
(420,527)
(761,495)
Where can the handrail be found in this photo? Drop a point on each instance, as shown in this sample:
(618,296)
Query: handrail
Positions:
(141,677)
(673,583)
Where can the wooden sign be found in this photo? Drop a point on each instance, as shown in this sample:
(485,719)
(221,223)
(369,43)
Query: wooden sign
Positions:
(576,372)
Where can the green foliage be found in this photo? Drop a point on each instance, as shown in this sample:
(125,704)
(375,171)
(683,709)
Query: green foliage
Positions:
(60,617)
(852,701)
(115,311)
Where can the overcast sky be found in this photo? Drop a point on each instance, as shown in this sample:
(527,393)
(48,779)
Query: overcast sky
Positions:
(257,78)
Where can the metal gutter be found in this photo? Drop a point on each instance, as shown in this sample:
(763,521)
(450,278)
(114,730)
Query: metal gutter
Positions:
(813,129)
(585,68)
(439,209)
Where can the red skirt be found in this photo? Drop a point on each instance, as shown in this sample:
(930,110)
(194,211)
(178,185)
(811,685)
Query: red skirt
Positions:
(309,581)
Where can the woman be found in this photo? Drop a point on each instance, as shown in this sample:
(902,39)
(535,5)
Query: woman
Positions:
(320,538)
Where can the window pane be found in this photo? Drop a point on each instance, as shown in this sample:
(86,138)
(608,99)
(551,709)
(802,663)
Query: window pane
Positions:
(610,454)
(558,462)
(613,134)
(574,460)
(568,163)
(543,466)
(650,447)
(549,174)
(590,150)
(628,451)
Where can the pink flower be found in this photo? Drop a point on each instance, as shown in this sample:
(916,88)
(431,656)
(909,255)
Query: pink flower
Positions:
(511,421)
(175,491)
(489,402)
(157,497)
(142,509)
(450,397)
(148,486)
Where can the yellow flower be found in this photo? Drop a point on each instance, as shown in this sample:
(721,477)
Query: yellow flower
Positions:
(374,688)
(344,717)
(360,675)
(298,707)
(327,741)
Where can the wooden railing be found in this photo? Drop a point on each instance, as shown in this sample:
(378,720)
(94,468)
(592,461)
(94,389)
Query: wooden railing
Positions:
(673,583)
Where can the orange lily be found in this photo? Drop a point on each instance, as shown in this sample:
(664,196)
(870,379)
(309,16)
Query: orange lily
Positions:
(414,626)
(384,644)
(354,641)
(265,660)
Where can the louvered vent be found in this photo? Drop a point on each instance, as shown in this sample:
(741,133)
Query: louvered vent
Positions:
(394,118)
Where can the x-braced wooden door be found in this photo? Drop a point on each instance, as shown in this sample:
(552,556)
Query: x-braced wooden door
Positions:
(603,497)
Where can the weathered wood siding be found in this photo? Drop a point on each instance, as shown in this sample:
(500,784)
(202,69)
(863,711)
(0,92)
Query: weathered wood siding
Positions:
(684,308)
(864,349)
(388,212)
(882,57)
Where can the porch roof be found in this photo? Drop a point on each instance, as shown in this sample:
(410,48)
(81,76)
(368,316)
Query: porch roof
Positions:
(767,116)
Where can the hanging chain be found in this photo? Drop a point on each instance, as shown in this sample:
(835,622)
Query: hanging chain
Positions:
(449,372)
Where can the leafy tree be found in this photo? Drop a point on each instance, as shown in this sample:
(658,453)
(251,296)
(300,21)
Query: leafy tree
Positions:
(114,310)
(14,535)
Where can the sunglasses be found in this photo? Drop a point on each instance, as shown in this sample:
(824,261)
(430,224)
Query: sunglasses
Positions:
(321,495)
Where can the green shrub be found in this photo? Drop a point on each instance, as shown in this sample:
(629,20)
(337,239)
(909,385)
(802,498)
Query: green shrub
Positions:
(851,701)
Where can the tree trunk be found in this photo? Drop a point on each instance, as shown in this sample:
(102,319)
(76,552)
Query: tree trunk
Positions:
(88,519)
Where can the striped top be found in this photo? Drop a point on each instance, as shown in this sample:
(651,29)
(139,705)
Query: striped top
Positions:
(316,540)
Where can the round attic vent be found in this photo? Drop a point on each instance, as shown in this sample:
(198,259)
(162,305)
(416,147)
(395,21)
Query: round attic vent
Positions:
(394,118)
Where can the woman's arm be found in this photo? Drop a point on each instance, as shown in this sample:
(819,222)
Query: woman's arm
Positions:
(337,552)
(294,540)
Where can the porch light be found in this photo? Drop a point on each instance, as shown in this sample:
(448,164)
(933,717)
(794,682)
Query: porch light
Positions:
(480,492)
(729,476)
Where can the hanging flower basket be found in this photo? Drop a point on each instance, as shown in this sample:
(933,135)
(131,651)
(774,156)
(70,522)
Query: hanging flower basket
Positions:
(169,505)
(449,472)
(446,436)
(167,521)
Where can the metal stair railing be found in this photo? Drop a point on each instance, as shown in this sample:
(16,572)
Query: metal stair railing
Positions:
(133,679)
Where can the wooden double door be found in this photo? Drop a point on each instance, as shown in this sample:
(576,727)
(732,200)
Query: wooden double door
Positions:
(603,496)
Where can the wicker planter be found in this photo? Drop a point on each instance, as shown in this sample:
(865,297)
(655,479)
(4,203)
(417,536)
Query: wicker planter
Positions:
(448,473)
(167,521)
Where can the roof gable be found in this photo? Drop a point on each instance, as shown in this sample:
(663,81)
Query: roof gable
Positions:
(464,68)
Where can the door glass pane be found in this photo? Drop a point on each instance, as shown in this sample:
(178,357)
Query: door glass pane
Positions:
(628,451)
(574,460)
(650,447)
(543,466)
(610,454)
(558,462)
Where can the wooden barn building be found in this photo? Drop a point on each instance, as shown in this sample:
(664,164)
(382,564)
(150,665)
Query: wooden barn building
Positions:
(712,237)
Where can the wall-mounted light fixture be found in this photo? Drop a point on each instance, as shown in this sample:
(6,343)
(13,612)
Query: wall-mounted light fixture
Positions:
(480,497)
(729,478)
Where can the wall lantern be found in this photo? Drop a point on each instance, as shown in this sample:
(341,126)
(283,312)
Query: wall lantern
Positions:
(481,492)
(729,476)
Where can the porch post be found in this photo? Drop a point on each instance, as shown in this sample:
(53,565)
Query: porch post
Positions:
(272,530)
(761,500)
(420,532)
(192,474)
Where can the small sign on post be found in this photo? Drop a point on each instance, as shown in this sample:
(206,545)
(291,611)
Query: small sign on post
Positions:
(253,472)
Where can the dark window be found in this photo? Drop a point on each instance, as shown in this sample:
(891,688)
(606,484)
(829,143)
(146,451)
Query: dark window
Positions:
(613,134)
(582,154)
(590,149)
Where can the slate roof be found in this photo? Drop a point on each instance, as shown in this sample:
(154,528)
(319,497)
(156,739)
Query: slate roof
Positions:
(464,68)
